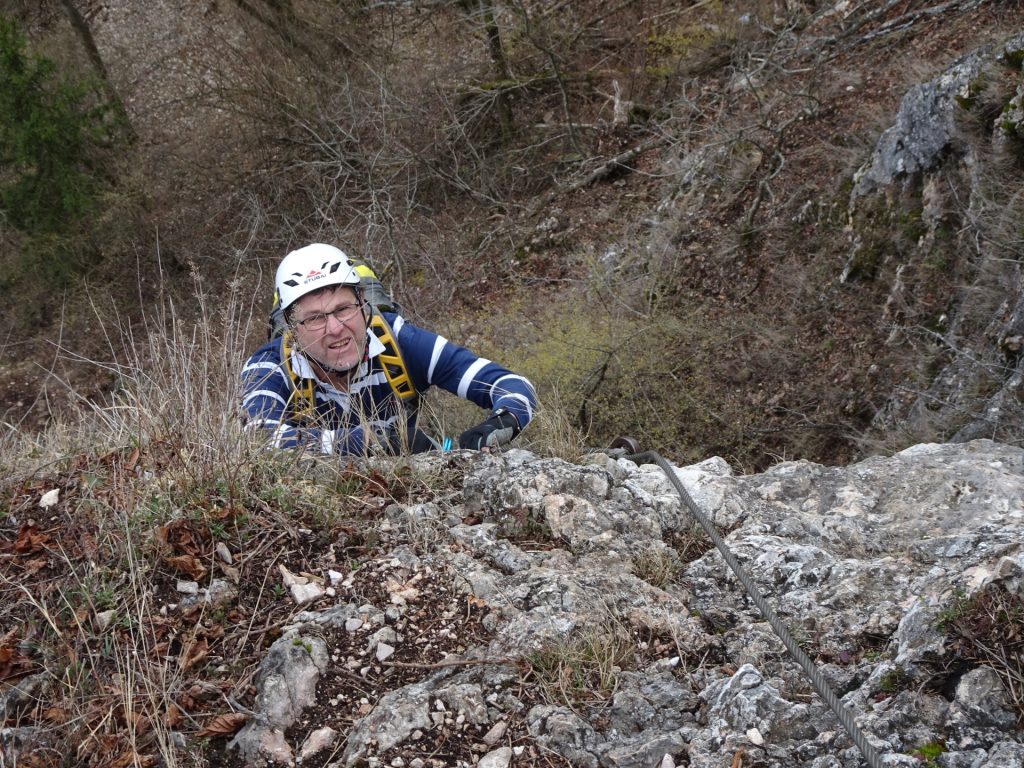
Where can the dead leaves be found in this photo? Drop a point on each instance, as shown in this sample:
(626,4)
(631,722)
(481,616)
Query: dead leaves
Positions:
(190,543)
(223,725)
(189,565)
(55,560)
(194,653)
(30,539)
(14,663)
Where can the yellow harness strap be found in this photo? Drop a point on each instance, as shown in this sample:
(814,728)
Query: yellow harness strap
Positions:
(301,402)
(391,359)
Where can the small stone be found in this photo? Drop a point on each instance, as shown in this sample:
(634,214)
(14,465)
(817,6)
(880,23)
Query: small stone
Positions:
(494,735)
(220,593)
(755,737)
(49,498)
(318,741)
(499,758)
(290,579)
(335,577)
(104,619)
(223,553)
(384,651)
(188,587)
(667,762)
(383,635)
(351,625)
(306,593)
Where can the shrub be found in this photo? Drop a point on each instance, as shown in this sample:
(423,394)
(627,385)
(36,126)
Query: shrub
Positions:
(987,629)
(51,131)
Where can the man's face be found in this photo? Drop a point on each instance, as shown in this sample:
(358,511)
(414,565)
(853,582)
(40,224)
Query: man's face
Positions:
(333,342)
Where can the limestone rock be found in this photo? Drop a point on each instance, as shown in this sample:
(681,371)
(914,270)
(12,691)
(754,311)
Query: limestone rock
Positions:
(859,562)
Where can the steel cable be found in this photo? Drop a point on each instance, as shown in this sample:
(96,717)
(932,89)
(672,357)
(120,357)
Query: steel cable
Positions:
(817,679)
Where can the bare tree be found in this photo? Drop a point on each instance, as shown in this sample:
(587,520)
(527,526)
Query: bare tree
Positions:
(81,28)
(295,30)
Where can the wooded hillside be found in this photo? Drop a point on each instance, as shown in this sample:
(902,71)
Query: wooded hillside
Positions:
(647,207)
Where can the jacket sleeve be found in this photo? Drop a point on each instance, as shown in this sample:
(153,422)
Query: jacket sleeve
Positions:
(432,360)
(266,391)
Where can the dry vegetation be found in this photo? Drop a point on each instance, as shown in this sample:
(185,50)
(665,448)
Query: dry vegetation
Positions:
(640,205)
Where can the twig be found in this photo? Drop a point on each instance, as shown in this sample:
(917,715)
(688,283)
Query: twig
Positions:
(907,19)
(449,663)
(620,160)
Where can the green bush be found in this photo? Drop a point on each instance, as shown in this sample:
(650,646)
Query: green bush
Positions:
(52,132)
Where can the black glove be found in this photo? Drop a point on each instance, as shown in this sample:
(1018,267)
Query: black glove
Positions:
(499,429)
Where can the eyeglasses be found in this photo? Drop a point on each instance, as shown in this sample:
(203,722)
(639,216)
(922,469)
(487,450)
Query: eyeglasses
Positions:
(318,321)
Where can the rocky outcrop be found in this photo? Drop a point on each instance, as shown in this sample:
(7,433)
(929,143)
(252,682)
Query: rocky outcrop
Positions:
(923,130)
(925,127)
(876,568)
(950,169)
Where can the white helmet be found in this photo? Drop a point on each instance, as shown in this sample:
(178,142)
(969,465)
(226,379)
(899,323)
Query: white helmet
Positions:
(310,268)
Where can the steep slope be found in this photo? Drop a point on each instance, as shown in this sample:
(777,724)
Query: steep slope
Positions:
(669,237)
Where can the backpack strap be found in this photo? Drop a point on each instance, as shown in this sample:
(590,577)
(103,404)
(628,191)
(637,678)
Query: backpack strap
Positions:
(391,360)
(301,404)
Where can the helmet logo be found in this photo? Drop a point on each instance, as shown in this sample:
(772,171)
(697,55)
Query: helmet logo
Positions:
(304,280)
(314,274)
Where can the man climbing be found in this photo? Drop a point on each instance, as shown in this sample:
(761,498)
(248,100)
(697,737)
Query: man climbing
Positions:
(344,376)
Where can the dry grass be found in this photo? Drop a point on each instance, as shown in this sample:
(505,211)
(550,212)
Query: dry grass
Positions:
(583,669)
(166,452)
(988,629)
(658,567)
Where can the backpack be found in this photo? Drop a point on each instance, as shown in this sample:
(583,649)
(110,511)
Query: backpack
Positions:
(377,296)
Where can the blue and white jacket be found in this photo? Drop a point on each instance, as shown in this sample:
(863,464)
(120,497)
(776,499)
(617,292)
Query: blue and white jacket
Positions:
(344,418)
